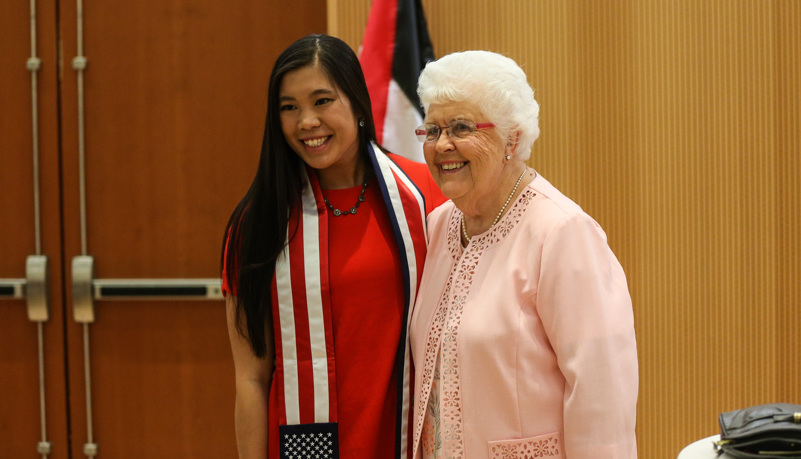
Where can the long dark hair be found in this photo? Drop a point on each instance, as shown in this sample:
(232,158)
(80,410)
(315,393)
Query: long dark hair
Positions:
(256,233)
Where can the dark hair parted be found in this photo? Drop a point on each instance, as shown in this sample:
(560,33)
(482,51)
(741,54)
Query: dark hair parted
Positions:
(256,233)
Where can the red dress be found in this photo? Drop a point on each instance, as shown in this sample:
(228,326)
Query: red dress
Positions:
(366,290)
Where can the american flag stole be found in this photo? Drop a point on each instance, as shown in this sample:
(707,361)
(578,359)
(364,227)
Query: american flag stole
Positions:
(305,354)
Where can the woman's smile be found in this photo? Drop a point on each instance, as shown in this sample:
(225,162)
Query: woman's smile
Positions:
(315,142)
(452,166)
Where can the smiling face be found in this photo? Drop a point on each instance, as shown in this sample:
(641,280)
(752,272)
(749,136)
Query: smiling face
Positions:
(467,170)
(319,125)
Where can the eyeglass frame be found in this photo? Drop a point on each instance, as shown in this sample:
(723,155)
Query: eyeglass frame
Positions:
(447,129)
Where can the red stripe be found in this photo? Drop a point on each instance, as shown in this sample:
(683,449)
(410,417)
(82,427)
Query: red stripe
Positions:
(414,218)
(378,49)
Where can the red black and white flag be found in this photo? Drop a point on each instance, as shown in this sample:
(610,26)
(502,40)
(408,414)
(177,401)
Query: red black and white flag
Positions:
(395,49)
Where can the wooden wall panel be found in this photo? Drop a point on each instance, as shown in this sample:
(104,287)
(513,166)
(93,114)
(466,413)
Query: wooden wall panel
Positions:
(20,421)
(175,96)
(19,369)
(175,103)
(677,125)
(787,14)
(16,165)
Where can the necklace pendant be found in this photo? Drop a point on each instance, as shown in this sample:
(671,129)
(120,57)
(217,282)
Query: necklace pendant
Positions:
(337,212)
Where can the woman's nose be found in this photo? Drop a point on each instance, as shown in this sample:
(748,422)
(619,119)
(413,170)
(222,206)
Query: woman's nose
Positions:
(309,120)
(444,142)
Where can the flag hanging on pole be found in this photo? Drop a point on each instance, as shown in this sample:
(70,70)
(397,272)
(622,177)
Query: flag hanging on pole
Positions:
(395,49)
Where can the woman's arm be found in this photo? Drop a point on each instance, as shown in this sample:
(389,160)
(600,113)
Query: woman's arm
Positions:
(253,378)
(586,309)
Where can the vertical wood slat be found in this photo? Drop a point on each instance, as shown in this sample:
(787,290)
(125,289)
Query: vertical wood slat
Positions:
(677,125)
(786,16)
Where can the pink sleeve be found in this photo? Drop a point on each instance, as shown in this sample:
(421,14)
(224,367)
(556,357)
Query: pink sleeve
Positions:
(586,310)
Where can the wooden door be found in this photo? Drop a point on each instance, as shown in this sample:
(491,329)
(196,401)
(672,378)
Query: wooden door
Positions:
(173,98)
(30,226)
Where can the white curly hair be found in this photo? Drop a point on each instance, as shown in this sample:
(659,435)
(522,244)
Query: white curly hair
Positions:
(491,81)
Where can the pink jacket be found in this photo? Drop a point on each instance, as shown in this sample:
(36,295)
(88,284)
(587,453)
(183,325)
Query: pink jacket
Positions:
(534,324)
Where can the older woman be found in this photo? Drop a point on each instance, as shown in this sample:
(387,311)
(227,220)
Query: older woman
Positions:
(523,333)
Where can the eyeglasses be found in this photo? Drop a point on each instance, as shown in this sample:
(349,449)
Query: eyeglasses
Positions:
(458,129)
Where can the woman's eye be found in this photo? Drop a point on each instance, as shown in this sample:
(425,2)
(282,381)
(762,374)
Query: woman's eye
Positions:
(460,129)
(323,101)
(286,108)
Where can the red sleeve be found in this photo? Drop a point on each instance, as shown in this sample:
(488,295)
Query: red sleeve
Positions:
(226,287)
(421,177)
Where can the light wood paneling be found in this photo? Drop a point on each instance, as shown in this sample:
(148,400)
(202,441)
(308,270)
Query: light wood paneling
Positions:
(677,125)
(787,106)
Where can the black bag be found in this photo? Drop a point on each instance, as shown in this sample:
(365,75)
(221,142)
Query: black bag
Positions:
(762,431)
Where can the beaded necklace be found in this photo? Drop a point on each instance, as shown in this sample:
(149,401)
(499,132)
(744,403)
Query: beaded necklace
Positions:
(497,217)
(352,210)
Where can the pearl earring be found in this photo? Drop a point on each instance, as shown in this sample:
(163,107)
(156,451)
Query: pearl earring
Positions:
(361,123)
(507,157)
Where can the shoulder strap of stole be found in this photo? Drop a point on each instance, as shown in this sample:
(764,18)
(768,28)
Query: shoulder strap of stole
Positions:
(407,213)
(304,346)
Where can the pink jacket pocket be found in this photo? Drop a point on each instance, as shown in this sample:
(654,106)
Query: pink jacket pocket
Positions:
(548,445)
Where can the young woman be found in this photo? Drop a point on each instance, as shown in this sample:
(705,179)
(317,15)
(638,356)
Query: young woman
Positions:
(321,265)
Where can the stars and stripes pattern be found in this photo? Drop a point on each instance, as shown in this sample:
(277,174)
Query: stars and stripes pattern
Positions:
(305,354)
(314,441)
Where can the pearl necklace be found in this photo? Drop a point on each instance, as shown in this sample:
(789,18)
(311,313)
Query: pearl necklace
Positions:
(497,217)
(352,210)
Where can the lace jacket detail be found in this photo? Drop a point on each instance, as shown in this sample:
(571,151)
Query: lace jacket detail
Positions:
(431,440)
(431,355)
(443,334)
(540,446)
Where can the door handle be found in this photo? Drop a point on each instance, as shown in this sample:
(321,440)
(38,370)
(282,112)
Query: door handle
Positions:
(35,288)
(86,289)
(12,289)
